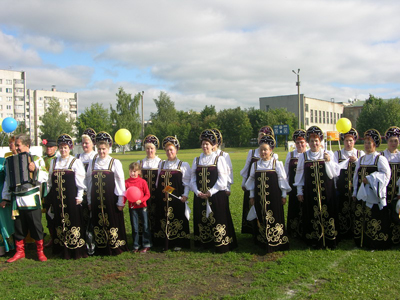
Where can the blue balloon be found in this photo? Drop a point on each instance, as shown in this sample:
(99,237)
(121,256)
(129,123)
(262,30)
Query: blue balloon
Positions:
(9,124)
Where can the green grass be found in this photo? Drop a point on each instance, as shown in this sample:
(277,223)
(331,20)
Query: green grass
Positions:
(246,273)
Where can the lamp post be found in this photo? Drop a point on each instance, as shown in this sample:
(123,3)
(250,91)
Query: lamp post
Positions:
(298,93)
(142,116)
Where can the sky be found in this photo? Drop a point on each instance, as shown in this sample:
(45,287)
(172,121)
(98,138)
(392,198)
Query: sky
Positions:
(222,53)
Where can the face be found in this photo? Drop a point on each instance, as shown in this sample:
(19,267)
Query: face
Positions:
(21,147)
(315,144)
(170,151)
(301,145)
(134,173)
(12,147)
(393,143)
(64,150)
(207,147)
(369,146)
(51,150)
(348,143)
(87,145)
(102,150)
(265,151)
(150,150)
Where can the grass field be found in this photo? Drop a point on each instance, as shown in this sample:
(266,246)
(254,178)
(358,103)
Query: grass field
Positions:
(246,273)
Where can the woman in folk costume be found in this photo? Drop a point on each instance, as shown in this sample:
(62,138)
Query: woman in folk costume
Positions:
(252,156)
(371,177)
(393,156)
(213,226)
(149,166)
(106,188)
(6,222)
(268,188)
(66,184)
(347,158)
(172,193)
(316,190)
(295,209)
(219,152)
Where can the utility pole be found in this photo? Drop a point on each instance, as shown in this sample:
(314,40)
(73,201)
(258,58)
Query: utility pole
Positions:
(298,93)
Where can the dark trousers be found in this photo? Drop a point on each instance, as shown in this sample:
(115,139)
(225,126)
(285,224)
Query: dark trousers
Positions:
(29,221)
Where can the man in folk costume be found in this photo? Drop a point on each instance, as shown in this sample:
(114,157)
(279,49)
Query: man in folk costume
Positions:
(26,203)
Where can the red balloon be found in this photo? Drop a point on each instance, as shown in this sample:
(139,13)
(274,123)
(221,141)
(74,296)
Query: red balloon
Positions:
(133,194)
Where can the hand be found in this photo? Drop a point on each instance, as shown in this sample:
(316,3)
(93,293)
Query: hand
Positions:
(184,199)
(138,202)
(300,198)
(327,157)
(244,189)
(78,201)
(283,201)
(251,201)
(354,199)
(228,193)
(3,204)
(32,166)
(365,180)
(352,158)
(120,208)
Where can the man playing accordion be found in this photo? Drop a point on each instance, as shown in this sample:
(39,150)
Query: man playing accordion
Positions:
(25,199)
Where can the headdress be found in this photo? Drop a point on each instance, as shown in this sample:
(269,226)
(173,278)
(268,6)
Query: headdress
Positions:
(375,135)
(50,143)
(171,139)
(65,139)
(90,133)
(152,139)
(218,134)
(267,130)
(209,135)
(299,133)
(268,139)
(314,130)
(351,132)
(103,136)
(392,131)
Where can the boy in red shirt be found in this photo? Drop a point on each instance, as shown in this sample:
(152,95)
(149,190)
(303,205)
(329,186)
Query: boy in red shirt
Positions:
(139,208)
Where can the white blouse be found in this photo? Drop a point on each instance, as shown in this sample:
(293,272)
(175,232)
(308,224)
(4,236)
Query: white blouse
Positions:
(150,163)
(346,154)
(229,164)
(223,177)
(267,165)
(331,167)
(77,167)
(185,169)
(86,157)
(392,157)
(119,178)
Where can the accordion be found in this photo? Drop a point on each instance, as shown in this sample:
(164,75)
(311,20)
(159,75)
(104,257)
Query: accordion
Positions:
(17,170)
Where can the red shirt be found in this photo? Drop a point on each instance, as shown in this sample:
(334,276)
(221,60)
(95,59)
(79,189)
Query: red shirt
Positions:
(142,185)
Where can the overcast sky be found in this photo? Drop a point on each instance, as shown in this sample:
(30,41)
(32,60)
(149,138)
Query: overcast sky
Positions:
(222,53)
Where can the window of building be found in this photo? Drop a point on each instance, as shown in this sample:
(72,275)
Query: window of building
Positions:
(320,117)
(1,89)
(327,117)
(323,120)
(316,117)
(1,81)
(306,107)
(8,90)
(1,106)
(338,116)
(334,117)
(331,118)
(306,121)
(267,108)
(10,115)
(8,107)
(1,98)
(8,81)
(9,99)
(312,116)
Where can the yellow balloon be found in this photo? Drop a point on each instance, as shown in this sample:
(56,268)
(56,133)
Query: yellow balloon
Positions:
(343,125)
(1,122)
(122,137)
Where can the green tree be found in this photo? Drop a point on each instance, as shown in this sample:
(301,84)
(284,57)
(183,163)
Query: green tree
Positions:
(55,122)
(370,115)
(235,127)
(208,111)
(96,116)
(126,113)
(21,128)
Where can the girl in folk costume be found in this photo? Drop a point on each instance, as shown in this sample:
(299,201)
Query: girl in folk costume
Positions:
(268,187)
(172,193)
(393,156)
(315,189)
(295,208)
(66,183)
(106,188)
(149,166)
(252,156)
(219,152)
(347,158)
(371,177)
(88,141)
(212,218)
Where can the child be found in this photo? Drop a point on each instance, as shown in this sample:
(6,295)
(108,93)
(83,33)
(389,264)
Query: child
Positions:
(139,208)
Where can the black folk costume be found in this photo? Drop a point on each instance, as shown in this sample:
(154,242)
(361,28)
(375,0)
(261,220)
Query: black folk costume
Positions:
(66,184)
(344,191)
(318,190)
(209,173)
(172,222)
(268,185)
(372,219)
(106,187)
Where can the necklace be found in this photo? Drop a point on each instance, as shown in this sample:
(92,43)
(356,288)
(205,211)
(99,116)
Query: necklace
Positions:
(62,163)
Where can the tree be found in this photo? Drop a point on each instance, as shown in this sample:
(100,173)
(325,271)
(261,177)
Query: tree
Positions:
(126,113)
(55,122)
(96,117)
(208,111)
(234,126)
(21,128)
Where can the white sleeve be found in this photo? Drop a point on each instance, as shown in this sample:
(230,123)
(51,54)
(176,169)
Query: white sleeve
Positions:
(299,178)
(250,182)
(79,170)
(193,184)
(88,180)
(355,179)
(186,175)
(282,179)
(246,167)
(42,174)
(223,177)
(287,162)
(51,169)
(119,179)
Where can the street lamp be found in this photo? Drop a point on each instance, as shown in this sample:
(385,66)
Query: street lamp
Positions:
(142,118)
(298,93)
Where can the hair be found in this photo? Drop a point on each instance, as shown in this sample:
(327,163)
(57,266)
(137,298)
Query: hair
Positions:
(314,136)
(85,136)
(135,166)
(170,144)
(98,144)
(150,145)
(11,139)
(24,138)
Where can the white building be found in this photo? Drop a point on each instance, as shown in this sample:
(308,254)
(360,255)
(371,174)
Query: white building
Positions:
(321,113)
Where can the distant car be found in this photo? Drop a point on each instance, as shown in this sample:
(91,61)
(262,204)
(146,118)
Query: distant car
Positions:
(253,142)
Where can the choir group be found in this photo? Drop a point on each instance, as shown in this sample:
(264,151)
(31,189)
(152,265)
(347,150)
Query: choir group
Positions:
(348,194)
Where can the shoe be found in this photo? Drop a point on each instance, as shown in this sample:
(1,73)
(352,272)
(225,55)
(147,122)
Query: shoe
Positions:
(49,244)
(145,250)
(135,250)
(39,249)
(20,246)
(177,249)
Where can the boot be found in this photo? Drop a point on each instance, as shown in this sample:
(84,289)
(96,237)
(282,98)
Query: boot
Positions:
(20,246)
(39,248)
(50,242)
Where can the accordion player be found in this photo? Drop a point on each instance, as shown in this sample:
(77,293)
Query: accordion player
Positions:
(18,173)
